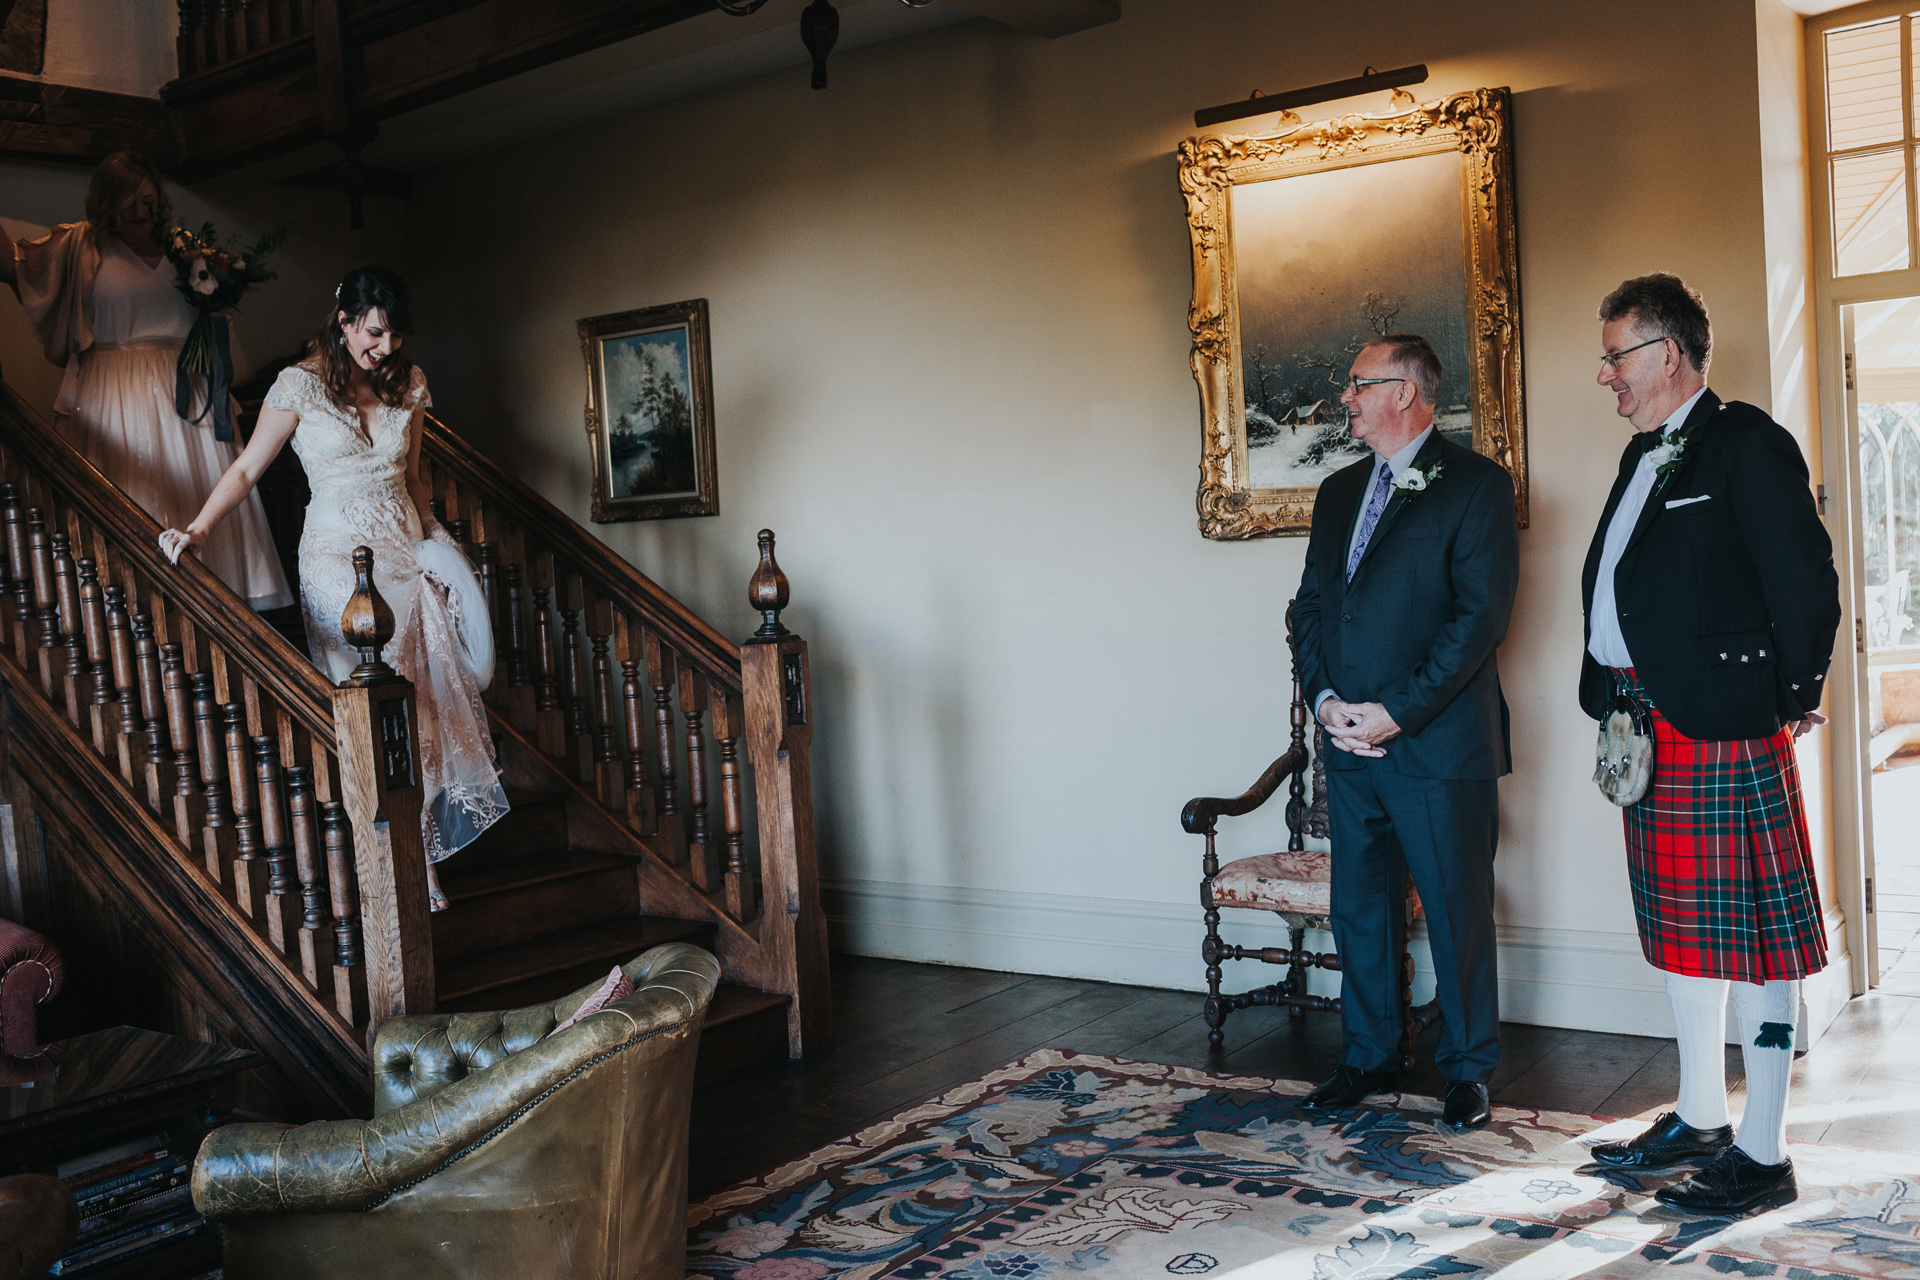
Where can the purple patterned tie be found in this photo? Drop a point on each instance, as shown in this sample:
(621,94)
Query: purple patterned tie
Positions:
(1375,505)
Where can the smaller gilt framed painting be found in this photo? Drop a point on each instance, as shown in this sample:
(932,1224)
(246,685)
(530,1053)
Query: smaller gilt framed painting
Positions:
(650,413)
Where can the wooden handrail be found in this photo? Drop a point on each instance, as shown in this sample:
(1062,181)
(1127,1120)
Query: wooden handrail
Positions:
(263,653)
(614,577)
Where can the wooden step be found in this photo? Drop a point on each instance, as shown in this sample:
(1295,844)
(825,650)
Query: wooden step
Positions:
(498,904)
(550,965)
(745,1031)
(535,822)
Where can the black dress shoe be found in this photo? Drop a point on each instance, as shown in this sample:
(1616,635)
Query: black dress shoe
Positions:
(1349,1087)
(1467,1106)
(1735,1183)
(1668,1141)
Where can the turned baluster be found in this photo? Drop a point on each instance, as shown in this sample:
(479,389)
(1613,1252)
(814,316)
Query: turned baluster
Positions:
(606,756)
(570,668)
(514,576)
(246,809)
(660,673)
(338,835)
(19,565)
(93,626)
(545,691)
(154,711)
(640,811)
(273,821)
(458,528)
(693,705)
(727,722)
(66,587)
(120,652)
(180,721)
(486,563)
(212,750)
(302,821)
(46,608)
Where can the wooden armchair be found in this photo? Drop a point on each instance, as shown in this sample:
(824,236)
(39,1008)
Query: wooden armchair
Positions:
(1295,885)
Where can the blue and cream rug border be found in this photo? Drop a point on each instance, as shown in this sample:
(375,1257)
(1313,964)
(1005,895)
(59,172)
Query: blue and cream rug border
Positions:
(1065,1165)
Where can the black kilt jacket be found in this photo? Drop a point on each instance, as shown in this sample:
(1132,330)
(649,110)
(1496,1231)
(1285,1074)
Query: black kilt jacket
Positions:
(1729,603)
(1419,627)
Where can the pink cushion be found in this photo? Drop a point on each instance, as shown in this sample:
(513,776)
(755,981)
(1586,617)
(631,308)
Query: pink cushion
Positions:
(1297,883)
(618,986)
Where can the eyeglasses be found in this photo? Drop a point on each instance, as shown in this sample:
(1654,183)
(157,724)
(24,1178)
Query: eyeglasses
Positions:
(1360,384)
(1612,361)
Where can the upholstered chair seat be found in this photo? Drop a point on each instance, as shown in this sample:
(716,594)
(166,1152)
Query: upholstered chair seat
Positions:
(497,1149)
(1298,884)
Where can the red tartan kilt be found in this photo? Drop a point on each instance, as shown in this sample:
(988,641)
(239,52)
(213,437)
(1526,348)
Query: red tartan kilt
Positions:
(1718,858)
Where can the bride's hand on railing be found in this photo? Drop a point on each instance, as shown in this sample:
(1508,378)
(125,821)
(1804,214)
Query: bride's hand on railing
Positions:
(174,542)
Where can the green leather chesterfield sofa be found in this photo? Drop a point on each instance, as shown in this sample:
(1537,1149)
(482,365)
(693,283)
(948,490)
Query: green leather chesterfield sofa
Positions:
(494,1150)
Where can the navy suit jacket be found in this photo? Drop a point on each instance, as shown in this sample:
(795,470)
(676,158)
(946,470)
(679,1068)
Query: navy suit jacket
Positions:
(1729,603)
(1419,627)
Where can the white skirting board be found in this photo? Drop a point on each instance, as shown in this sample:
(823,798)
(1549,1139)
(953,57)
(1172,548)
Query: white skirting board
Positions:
(1548,977)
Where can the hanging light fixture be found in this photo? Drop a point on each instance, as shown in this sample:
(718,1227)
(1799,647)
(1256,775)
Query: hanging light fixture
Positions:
(819,27)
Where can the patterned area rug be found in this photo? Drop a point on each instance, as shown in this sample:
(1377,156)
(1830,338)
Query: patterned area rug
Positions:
(1063,1166)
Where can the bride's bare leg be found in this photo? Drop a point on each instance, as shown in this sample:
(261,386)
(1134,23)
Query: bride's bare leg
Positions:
(436,897)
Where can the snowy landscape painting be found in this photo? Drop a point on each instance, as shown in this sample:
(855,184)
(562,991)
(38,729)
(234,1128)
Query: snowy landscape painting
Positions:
(649,412)
(1326,261)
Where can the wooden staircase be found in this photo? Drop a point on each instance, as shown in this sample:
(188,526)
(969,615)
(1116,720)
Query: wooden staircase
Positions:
(214,812)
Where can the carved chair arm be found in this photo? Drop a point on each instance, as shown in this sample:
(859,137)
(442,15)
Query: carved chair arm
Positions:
(1201,813)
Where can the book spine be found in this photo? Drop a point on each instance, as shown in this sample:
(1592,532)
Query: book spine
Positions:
(165,1180)
(120,1250)
(140,1210)
(119,1168)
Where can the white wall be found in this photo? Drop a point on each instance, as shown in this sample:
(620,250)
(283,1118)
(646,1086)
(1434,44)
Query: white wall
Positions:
(121,46)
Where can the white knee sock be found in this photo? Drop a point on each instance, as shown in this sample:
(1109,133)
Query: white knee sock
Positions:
(1767,1014)
(1700,1032)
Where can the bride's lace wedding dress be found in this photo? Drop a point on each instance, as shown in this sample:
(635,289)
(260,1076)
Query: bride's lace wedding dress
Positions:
(360,499)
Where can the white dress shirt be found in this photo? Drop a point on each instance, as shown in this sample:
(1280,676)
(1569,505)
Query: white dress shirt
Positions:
(1399,463)
(1607,644)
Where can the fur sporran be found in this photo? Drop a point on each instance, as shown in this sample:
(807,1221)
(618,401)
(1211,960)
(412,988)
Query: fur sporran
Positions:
(1624,768)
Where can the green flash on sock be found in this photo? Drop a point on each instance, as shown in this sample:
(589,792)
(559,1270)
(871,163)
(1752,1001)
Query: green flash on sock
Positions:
(1774,1035)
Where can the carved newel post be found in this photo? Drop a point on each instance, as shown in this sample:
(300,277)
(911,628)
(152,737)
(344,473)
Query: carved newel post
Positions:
(373,714)
(778,706)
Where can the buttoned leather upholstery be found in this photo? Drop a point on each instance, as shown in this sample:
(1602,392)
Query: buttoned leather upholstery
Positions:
(31,973)
(493,1151)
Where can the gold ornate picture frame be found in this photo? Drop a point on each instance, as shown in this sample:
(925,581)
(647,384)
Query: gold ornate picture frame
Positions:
(1309,240)
(650,413)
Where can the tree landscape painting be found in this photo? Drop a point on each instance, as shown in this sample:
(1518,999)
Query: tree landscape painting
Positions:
(649,411)
(1326,261)
(650,403)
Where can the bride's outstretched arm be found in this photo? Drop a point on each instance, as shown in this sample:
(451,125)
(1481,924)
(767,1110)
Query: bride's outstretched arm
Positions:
(270,435)
(417,481)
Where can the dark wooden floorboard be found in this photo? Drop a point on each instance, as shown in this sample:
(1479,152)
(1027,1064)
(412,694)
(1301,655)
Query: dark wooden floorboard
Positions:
(906,1032)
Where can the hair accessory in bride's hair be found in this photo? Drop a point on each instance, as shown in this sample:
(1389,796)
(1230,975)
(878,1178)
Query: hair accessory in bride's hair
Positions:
(336,293)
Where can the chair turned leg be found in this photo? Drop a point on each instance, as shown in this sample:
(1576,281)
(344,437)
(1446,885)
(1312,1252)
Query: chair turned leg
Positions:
(1297,972)
(1410,1027)
(1213,1008)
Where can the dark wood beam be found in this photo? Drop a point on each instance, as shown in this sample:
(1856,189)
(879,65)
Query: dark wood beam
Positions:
(392,58)
(41,121)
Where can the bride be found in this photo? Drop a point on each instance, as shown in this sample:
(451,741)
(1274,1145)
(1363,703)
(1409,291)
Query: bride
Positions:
(353,409)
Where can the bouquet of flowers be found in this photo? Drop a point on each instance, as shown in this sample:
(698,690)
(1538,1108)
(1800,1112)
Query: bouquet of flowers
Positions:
(213,278)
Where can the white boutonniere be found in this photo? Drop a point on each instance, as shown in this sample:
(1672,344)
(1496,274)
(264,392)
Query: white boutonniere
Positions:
(1415,479)
(1668,455)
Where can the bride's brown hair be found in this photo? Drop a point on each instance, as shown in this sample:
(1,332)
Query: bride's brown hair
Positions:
(117,180)
(365,289)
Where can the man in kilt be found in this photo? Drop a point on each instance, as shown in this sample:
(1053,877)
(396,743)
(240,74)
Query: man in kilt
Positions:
(1712,601)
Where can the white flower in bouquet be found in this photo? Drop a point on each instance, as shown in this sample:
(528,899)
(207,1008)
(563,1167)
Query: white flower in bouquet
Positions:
(200,277)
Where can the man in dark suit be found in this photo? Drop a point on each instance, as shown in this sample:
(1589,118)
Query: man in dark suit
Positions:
(1711,604)
(1410,575)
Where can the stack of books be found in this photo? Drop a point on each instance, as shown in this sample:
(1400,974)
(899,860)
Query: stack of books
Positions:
(134,1200)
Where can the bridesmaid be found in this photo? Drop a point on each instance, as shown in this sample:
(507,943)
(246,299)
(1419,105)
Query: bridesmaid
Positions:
(353,410)
(101,298)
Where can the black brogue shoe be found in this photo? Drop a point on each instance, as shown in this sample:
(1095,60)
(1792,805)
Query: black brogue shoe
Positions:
(1735,1183)
(1467,1107)
(1668,1141)
(1349,1087)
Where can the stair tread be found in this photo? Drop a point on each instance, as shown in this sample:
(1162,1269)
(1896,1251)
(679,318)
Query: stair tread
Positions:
(524,871)
(551,952)
(731,1002)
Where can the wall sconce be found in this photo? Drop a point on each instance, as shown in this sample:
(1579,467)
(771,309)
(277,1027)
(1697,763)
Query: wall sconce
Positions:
(819,27)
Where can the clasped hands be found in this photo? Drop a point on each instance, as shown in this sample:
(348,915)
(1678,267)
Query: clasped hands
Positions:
(1358,727)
